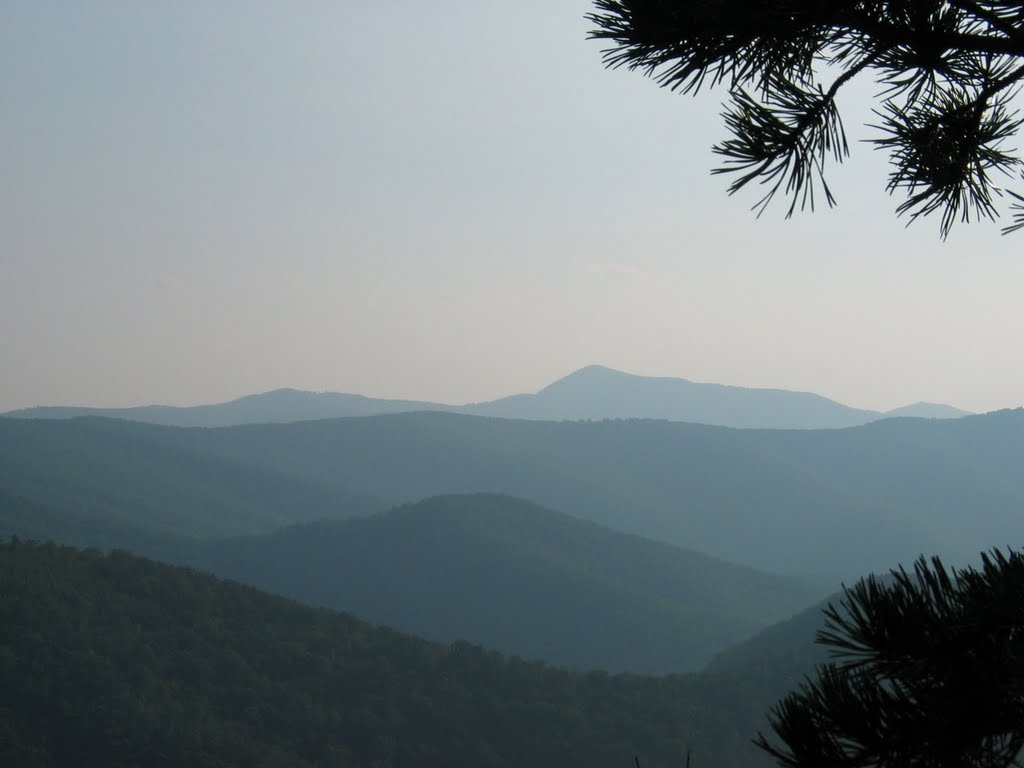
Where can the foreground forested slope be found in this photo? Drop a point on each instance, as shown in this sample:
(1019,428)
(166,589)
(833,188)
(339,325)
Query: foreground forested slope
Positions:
(111,660)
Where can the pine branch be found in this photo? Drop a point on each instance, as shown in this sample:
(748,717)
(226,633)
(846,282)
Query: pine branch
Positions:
(786,142)
(991,18)
(948,67)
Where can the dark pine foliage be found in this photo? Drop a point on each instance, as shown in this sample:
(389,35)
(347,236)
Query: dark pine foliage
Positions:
(929,671)
(947,72)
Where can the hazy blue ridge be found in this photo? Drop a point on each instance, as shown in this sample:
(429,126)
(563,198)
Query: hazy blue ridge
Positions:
(140,476)
(834,502)
(927,411)
(779,656)
(839,502)
(774,661)
(496,571)
(594,392)
(278,406)
(517,578)
(86,526)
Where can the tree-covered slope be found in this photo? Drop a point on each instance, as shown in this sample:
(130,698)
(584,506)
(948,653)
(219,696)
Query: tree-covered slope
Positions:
(780,657)
(776,659)
(96,472)
(842,502)
(31,520)
(111,660)
(517,578)
(839,502)
(785,648)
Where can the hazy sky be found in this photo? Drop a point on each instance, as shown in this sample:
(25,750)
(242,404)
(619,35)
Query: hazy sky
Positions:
(450,201)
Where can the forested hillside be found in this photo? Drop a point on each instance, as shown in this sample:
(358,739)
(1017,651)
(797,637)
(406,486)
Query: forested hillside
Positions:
(101,472)
(838,502)
(509,552)
(778,658)
(111,660)
(830,501)
(85,526)
(496,571)
(517,578)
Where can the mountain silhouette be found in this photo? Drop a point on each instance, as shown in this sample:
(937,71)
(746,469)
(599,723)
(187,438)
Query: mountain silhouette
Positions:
(837,502)
(594,392)
(515,577)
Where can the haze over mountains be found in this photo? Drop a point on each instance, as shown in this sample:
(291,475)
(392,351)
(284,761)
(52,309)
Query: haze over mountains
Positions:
(97,472)
(640,545)
(834,502)
(597,392)
(594,392)
(517,578)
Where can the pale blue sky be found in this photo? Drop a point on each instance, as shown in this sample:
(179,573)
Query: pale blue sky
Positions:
(450,201)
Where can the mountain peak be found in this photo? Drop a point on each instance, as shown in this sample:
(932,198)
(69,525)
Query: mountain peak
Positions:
(923,410)
(592,371)
(602,374)
(592,392)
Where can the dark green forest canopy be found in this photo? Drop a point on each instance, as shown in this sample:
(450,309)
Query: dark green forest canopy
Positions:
(112,660)
(947,73)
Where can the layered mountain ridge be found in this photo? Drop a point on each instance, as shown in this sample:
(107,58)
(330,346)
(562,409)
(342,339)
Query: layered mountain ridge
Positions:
(835,502)
(593,392)
(517,578)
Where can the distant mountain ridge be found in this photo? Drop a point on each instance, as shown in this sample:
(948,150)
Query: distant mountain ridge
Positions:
(597,392)
(593,392)
(91,473)
(927,411)
(276,407)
